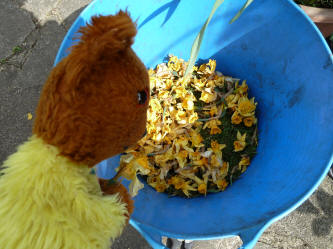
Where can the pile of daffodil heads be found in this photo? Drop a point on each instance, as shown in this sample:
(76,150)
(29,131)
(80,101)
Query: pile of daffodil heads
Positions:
(201,132)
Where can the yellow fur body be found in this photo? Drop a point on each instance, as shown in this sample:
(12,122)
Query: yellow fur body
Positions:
(49,202)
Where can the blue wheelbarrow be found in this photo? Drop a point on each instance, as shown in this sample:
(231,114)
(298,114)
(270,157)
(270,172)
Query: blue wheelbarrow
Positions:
(289,69)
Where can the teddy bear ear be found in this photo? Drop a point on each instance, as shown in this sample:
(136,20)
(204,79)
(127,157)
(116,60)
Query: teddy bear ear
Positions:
(108,34)
(104,38)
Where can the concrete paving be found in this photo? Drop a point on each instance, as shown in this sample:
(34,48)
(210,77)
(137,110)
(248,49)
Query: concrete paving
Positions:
(30,34)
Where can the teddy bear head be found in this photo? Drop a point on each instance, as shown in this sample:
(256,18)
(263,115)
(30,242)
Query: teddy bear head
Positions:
(94,103)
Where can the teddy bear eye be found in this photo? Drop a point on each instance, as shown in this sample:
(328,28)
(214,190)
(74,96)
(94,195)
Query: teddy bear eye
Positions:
(142,97)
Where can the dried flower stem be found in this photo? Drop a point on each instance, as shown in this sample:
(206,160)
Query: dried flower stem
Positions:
(160,152)
(122,168)
(212,118)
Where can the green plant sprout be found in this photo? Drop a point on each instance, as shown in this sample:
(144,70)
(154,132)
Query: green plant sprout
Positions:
(198,40)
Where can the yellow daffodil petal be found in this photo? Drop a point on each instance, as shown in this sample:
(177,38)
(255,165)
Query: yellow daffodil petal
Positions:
(239,146)
(245,106)
(215,130)
(224,169)
(222,184)
(212,65)
(249,121)
(202,188)
(208,97)
(245,161)
(236,118)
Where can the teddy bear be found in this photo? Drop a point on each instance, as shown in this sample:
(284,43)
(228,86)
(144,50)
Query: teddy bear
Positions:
(92,107)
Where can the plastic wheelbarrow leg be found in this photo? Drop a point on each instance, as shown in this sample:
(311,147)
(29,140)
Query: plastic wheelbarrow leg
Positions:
(251,235)
(179,244)
(174,243)
(187,245)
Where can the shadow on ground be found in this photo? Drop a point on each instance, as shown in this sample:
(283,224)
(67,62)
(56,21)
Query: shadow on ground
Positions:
(322,224)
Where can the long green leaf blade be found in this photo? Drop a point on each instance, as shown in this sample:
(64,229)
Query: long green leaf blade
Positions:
(198,40)
(247,4)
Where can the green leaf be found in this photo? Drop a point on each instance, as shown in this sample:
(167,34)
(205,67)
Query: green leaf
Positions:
(17,49)
(198,40)
(213,190)
(247,4)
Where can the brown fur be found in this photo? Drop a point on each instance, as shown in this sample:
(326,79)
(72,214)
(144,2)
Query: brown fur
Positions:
(89,107)
(110,189)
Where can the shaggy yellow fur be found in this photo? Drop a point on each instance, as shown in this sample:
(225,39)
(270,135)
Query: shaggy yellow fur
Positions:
(49,202)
